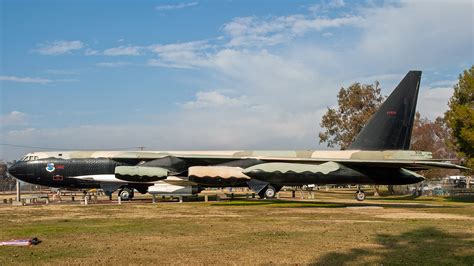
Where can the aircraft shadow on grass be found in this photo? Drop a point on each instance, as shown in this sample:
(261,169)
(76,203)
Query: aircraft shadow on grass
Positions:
(425,246)
(324,204)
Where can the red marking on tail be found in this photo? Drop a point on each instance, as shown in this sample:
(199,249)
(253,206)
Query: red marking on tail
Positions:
(392,113)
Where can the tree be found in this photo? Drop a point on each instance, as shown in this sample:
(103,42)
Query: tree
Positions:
(436,137)
(460,116)
(356,105)
(7,182)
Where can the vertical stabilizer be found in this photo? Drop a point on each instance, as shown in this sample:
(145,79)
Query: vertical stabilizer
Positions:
(390,127)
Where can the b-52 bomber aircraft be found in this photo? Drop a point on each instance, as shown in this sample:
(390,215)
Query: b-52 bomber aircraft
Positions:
(379,156)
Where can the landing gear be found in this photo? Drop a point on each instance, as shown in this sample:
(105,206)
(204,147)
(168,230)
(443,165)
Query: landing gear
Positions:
(360,195)
(126,193)
(269,192)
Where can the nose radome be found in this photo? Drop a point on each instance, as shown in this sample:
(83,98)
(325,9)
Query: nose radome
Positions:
(16,169)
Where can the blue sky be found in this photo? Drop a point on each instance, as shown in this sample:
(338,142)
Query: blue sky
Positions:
(212,74)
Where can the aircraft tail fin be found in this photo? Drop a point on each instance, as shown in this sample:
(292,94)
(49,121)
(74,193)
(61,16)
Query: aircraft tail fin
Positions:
(390,127)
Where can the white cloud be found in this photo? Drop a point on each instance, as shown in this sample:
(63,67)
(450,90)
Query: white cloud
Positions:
(326,6)
(28,132)
(252,31)
(449,83)
(228,130)
(433,102)
(25,79)
(181,55)
(336,3)
(417,34)
(209,99)
(168,64)
(59,47)
(67,80)
(175,47)
(122,50)
(13,118)
(61,72)
(90,52)
(175,6)
(112,64)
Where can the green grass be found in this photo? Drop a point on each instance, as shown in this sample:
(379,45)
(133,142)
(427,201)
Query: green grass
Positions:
(322,232)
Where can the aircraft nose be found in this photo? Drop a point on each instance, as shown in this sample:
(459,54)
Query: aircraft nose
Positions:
(18,169)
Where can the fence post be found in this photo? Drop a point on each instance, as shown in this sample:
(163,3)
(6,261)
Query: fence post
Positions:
(18,191)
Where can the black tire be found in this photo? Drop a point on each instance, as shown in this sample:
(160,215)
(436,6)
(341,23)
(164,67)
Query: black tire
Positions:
(125,193)
(270,192)
(360,195)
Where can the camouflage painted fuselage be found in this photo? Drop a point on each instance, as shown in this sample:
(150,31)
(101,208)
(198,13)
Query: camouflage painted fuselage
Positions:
(226,168)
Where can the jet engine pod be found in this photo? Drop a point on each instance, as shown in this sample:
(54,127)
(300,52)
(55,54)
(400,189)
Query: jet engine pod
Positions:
(140,173)
(218,176)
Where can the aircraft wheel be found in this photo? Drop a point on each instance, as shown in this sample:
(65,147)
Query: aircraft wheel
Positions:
(360,195)
(270,193)
(125,193)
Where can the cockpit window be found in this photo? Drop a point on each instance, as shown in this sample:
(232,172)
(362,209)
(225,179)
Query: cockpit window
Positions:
(29,158)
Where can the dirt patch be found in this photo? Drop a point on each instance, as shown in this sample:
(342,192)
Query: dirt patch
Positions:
(365,207)
(423,215)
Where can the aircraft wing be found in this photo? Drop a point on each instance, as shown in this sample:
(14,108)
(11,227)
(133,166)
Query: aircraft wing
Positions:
(409,165)
(221,157)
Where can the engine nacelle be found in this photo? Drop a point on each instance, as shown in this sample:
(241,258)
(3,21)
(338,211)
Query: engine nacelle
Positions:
(140,173)
(218,176)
